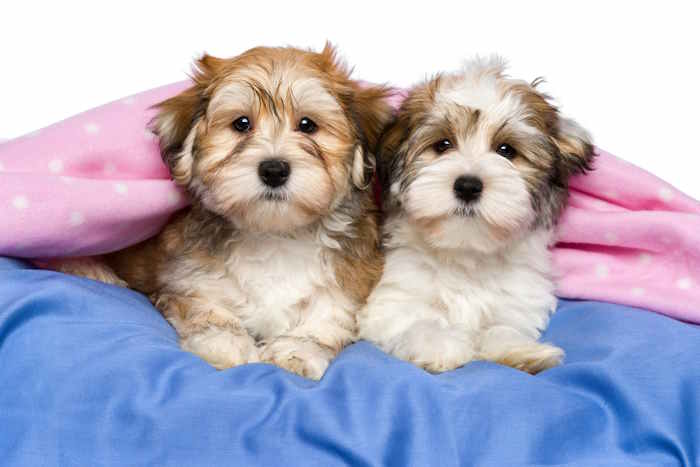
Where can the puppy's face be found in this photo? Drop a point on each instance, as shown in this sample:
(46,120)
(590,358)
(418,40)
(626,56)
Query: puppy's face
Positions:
(475,159)
(273,139)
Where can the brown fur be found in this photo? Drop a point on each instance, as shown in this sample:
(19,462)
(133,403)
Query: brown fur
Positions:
(201,149)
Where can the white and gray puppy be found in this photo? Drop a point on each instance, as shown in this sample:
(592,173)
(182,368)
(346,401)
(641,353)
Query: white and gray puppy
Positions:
(476,166)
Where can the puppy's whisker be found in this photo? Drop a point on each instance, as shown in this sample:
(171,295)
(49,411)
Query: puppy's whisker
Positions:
(269,195)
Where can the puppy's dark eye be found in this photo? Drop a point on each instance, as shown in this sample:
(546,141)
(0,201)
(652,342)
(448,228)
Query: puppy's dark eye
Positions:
(306,125)
(506,150)
(442,146)
(241,124)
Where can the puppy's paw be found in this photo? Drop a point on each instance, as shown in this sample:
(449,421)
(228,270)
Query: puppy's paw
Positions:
(531,357)
(298,355)
(434,349)
(222,348)
(90,268)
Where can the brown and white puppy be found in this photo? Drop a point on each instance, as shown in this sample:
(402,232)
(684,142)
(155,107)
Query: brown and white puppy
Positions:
(476,166)
(280,246)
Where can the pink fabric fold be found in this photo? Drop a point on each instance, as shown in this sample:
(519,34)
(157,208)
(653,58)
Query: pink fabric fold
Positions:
(95,183)
(629,237)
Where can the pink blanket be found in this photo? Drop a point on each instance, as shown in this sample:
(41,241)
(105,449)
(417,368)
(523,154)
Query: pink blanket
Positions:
(95,183)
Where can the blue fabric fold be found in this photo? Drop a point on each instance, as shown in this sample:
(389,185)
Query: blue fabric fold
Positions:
(91,374)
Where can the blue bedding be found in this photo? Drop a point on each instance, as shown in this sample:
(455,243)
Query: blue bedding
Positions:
(90,374)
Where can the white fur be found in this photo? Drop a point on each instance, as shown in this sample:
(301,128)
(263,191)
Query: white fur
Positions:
(282,291)
(502,210)
(443,308)
(465,281)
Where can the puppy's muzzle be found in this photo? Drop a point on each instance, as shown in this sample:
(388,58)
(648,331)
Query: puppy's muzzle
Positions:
(274,172)
(468,188)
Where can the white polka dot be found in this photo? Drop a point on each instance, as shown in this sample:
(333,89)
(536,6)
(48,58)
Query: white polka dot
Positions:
(638,291)
(602,205)
(602,271)
(56,166)
(684,283)
(76,218)
(610,237)
(121,188)
(128,100)
(20,202)
(666,194)
(67,180)
(148,135)
(109,168)
(91,128)
(645,258)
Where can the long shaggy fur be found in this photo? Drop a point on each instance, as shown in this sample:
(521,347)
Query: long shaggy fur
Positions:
(471,280)
(253,273)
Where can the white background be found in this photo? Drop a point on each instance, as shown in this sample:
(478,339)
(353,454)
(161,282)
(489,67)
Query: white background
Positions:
(629,73)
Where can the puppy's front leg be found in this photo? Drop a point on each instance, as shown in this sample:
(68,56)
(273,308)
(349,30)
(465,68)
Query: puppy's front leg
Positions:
(416,332)
(326,325)
(508,346)
(208,330)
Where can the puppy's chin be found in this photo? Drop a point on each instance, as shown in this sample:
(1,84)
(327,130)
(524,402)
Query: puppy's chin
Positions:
(274,213)
(500,216)
(467,233)
(269,211)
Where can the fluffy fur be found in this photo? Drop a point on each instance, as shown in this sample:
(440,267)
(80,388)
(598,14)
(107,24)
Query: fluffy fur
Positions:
(253,272)
(470,279)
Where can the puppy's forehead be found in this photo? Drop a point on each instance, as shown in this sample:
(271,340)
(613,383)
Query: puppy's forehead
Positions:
(283,84)
(469,92)
(490,95)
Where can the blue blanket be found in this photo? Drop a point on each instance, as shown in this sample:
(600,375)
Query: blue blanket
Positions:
(90,374)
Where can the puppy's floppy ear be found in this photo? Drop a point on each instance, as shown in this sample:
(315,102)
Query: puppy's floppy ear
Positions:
(177,117)
(388,154)
(575,149)
(367,107)
(371,113)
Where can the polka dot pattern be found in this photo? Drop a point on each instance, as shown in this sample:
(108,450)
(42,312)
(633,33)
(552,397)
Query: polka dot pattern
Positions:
(20,202)
(76,218)
(91,128)
(121,188)
(56,166)
(665,194)
(602,271)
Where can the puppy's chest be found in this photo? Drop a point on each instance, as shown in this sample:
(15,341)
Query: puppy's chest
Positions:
(466,286)
(270,284)
(277,272)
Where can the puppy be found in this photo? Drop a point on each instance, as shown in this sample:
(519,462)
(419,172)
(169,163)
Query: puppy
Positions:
(476,166)
(279,248)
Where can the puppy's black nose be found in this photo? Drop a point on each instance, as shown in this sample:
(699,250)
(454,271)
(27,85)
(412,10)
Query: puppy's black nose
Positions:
(274,172)
(468,188)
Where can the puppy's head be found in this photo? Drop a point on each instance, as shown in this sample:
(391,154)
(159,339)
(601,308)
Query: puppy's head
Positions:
(474,158)
(273,139)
